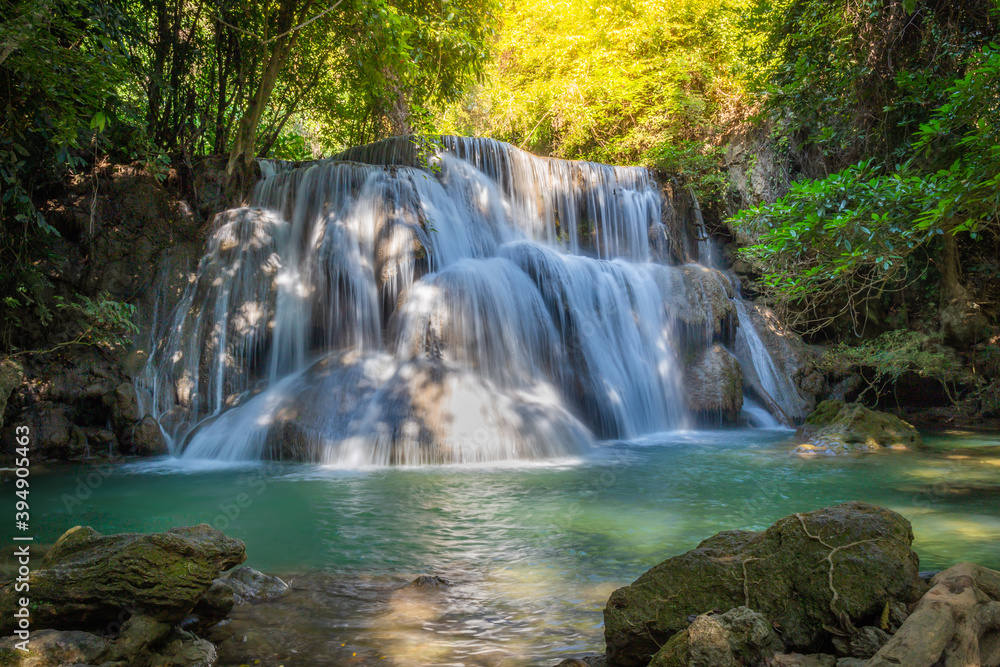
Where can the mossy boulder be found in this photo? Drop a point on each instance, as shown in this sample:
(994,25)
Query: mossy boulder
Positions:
(783,572)
(835,428)
(88,580)
(740,636)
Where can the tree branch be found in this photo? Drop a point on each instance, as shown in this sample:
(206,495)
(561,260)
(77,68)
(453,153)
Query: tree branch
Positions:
(284,34)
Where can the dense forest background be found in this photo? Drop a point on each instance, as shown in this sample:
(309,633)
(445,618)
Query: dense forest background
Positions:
(849,149)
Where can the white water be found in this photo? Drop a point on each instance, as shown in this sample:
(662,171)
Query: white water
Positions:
(491,306)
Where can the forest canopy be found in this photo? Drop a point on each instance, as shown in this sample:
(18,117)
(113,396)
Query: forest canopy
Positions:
(164,82)
(882,113)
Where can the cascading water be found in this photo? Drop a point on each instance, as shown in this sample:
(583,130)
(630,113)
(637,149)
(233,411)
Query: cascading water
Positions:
(480,304)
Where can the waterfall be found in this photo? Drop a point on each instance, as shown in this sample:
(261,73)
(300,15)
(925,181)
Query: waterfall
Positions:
(460,302)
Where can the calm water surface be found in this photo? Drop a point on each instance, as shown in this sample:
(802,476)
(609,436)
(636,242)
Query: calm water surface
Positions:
(531,551)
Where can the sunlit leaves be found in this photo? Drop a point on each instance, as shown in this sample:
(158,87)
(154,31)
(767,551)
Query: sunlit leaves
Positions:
(604,81)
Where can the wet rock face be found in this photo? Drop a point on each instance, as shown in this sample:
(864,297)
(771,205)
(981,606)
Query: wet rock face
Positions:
(148,439)
(792,359)
(124,405)
(836,428)
(61,398)
(88,580)
(11,374)
(783,573)
(79,403)
(714,385)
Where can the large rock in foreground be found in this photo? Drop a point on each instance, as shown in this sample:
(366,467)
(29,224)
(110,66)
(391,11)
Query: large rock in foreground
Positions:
(836,567)
(88,580)
(836,428)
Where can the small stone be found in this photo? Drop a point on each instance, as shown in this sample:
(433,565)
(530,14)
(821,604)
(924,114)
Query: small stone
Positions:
(428,581)
(138,636)
(867,641)
(804,660)
(250,584)
(186,651)
(214,606)
(53,648)
(739,636)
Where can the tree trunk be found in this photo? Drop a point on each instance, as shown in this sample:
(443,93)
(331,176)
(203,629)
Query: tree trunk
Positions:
(962,320)
(951,272)
(243,152)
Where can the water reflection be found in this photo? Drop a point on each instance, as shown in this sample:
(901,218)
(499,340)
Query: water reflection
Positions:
(531,550)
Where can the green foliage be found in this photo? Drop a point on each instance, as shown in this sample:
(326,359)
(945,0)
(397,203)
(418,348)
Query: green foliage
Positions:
(350,72)
(107,322)
(694,163)
(895,353)
(852,79)
(159,81)
(98,321)
(961,143)
(59,72)
(866,229)
(608,82)
(58,77)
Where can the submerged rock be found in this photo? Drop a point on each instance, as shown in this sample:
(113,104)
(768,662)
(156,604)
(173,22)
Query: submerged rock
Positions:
(835,427)
(88,580)
(138,636)
(585,661)
(213,606)
(250,584)
(186,651)
(834,567)
(428,581)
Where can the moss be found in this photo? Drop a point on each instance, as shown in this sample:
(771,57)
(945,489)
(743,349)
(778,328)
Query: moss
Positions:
(782,573)
(854,428)
(674,653)
(825,412)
